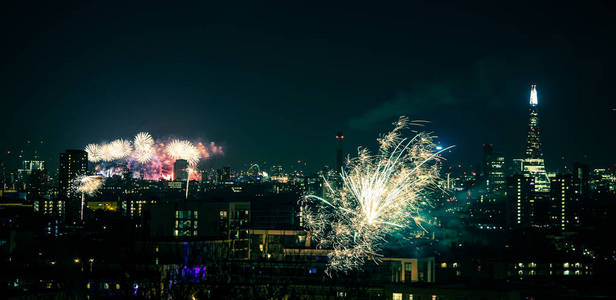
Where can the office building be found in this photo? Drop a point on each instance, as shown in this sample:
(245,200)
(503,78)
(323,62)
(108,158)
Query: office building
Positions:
(533,163)
(180,170)
(73,163)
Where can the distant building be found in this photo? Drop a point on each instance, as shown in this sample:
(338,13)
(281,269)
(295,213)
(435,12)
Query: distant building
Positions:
(277,170)
(528,192)
(520,200)
(28,166)
(180,170)
(73,163)
(582,174)
(32,179)
(223,175)
(493,171)
(565,201)
(525,206)
(602,181)
(533,164)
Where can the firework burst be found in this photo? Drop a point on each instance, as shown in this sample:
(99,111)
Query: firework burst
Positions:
(115,150)
(179,149)
(144,147)
(87,184)
(95,152)
(147,158)
(375,196)
(120,148)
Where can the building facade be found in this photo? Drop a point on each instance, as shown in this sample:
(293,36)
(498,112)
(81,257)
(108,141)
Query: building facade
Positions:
(533,163)
(73,163)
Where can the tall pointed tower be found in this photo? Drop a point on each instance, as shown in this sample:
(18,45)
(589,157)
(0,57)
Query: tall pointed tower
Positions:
(533,139)
(533,163)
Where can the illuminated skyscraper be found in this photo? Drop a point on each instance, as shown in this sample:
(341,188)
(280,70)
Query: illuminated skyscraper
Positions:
(533,163)
(565,200)
(533,141)
(521,201)
(493,172)
(73,163)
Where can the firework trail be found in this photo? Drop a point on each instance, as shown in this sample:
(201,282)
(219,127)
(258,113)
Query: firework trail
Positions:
(375,196)
(86,185)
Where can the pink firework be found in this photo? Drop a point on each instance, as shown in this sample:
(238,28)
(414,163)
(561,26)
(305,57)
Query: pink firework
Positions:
(150,159)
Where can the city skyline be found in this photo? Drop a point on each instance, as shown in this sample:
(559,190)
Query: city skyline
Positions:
(31,151)
(115,85)
(303,150)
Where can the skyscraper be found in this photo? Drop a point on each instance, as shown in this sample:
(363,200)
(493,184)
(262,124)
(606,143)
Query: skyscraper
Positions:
(526,207)
(565,200)
(180,170)
(533,163)
(533,139)
(521,201)
(493,172)
(73,163)
(31,178)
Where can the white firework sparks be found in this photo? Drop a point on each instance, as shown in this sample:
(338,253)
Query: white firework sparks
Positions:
(144,147)
(377,195)
(179,149)
(149,158)
(95,152)
(87,184)
(117,149)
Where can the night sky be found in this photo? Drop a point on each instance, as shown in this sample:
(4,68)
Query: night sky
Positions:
(275,81)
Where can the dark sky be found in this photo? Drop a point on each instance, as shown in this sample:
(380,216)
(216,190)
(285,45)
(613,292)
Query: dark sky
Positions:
(275,81)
